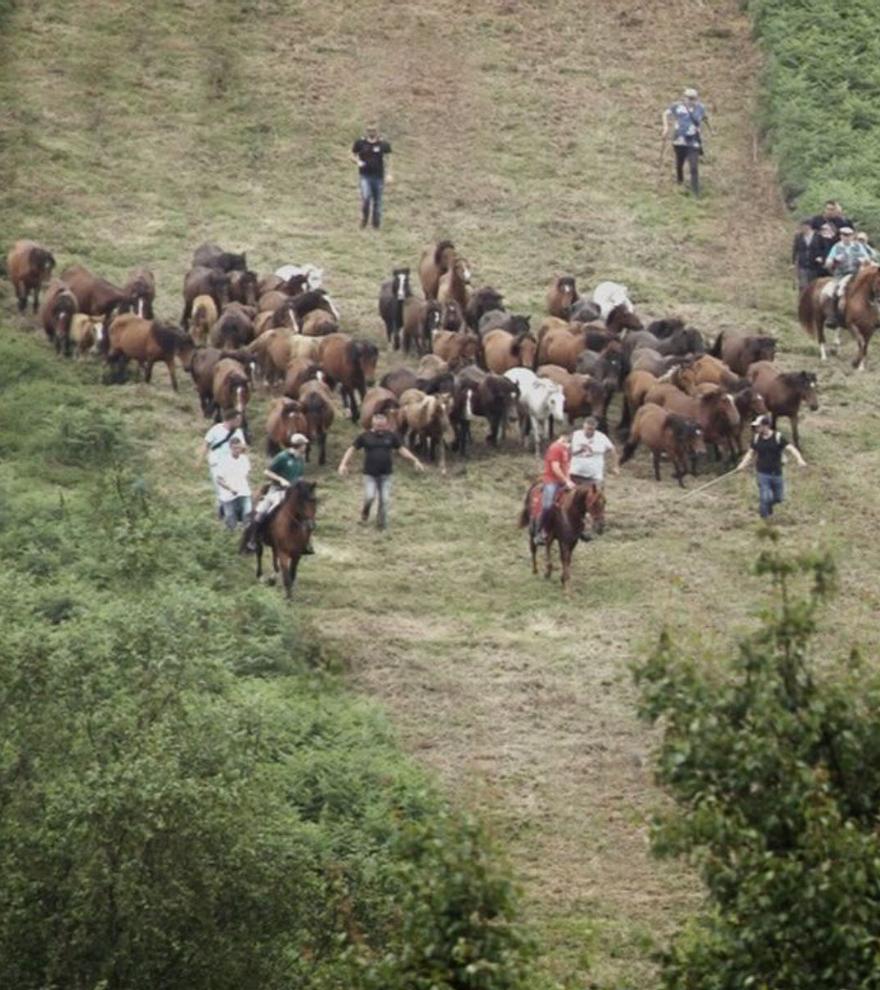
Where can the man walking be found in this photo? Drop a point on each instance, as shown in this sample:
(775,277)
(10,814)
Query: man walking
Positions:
(378,444)
(688,114)
(589,447)
(368,153)
(766,450)
(804,256)
(216,446)
(233,484)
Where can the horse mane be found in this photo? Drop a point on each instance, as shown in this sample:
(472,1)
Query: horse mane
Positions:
(169,337)
(442,246)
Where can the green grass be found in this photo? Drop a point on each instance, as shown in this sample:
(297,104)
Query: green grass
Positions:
(531,138)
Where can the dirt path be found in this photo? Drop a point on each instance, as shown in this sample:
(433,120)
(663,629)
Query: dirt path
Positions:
(528,132)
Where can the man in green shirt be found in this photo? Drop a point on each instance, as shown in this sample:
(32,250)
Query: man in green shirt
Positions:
(284,470)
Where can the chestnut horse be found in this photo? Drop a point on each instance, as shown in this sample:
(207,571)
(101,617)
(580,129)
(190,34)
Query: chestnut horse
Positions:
(287,532)
(858,312)
(564,523)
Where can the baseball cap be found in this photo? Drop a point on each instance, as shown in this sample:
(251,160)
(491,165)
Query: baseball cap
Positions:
(298,440)
(690,91)
(847,230)
(761,421)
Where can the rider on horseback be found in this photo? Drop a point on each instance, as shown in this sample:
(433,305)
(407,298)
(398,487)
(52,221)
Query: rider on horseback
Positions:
(843,261)
(557,465)
(284,470)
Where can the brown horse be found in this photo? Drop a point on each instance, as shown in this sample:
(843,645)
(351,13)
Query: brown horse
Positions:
(230,387)
(712,409)
(380,400)
(434,262)
(456,349)
(564,523)
(285,418)
(738,350)
(299,371)
(503,351)
(421,318)
(857,310)
(132,338)
(56,313)
(351,363)
(318,323)
(424,420)
(453,285)
(204,316)
(140,293)
(583,395)
(561,296)
(203,281)
(287,531)
(86,333)
(29,266)
(233,328)
(561,346)
(316,401)
(665,433)
(783,392)
(94,295)
(243,287)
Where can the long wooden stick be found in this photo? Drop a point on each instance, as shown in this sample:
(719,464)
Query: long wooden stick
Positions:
(708,484)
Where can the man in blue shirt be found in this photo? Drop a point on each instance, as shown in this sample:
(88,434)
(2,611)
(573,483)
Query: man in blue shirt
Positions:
(688,116)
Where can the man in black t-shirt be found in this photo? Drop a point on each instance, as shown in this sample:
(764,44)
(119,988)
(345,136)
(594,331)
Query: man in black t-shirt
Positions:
(378,444)
(368,153)
(766,450)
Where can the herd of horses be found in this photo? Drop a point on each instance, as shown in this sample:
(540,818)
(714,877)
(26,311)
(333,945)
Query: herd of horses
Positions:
(466,357)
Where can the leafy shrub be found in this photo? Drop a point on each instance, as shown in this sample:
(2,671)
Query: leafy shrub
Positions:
(775,769)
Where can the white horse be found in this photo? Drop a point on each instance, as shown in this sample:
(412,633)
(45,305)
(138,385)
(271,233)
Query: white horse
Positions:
(610,295)
(540,402)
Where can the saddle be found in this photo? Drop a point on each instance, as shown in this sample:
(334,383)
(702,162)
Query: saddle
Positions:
(536,497)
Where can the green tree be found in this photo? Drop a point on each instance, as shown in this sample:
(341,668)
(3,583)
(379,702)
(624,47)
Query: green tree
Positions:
(774,765)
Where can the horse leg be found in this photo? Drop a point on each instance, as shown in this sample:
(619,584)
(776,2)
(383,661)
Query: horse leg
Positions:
(533,548)
(286,576)
(793,419)
(656,456)
(859,359)
(259,558)
(170,366)
(322,448)
(548,568)
(291,573)
(565,559)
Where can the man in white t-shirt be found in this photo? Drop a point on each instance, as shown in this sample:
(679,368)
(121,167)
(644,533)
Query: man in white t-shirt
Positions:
(588,450)
(216,445)
(233,485)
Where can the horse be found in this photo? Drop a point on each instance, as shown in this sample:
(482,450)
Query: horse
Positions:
(561,296)
(497,319)
(503,351)
(783,392)
(621,318)
(492,397)
(585,311)
(230,387)
(86,333)
(540,402)
(564,523)
(316,401)
(299,371)
(318,323)
(712,409)
(609,295)
(213,256)
(453,284)
(712,370)
(665,433)
(29,266)
(452,316)
(243,287)
(860,309)
(816,305)
(271,353)
(234,327)
(456,349)
(203,317)
(424,421)
(285,418)
(203,281)
(561,347)
(140,293)
(131,337)
(380,400)
(95,296)
(647,359)
(351,363)
(484,300)
(583,395)
(739,350)
(604,367)
(421,319)
(287,531)
(392,298)
(56,313)
(665,327)
(434,262)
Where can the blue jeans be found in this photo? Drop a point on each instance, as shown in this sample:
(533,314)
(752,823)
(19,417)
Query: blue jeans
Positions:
(771,491)
(377,487)
(371,192)
(236,510)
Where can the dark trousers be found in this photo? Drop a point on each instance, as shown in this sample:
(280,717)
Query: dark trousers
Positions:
(686,153)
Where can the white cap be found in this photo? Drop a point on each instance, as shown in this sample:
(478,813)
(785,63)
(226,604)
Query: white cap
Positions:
(761,421)
(690,91)
(298,440)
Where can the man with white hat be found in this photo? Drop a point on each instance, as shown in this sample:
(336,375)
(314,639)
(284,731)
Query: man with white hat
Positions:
(689,115)
(284,470)
(843,261)
(767,450)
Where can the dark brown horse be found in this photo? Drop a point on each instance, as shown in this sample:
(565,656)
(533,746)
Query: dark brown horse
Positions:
(561,296)
(435,260)
(665,433)
(58,308)
(564,523)
(140,293)
(94,295)
(783,392)
(132,338)
(287,532)
(29,266)
(350,363)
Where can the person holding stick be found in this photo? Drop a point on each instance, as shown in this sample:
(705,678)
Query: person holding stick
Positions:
(687,115)
(766,451)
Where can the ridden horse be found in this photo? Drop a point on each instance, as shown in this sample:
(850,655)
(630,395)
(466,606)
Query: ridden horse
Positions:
(665,433)
(783,392)
(434,262)
(287,531)
(29,266)
(453,285)
(392,299)
(146,341)
(564,522)
(860,309)
(561,296)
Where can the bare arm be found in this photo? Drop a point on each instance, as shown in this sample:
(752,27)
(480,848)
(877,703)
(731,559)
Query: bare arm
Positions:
(746,460)
(561,475)
(346,457)
(665,119)
(615,460)
(408,455)
(796,454)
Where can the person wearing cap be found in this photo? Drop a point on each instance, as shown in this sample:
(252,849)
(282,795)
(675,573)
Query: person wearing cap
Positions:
(766,451)
(378,444)
(833,214)
(233,483)
(284,470)
(368,153)
(804,259)
(843,261)
(873,255)
(688,114)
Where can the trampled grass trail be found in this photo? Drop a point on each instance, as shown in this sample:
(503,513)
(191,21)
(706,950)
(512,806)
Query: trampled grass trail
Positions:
(531,137)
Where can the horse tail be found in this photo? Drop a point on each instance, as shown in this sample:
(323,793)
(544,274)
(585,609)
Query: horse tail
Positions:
(716,347)
(525,514)
(629,448)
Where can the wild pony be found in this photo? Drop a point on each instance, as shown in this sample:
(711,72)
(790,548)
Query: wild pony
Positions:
(56,314)
(436,259)
(286,531)
(140,293)
(203,281)
(738,350)
(561,296)
(665,433)
(453,285)
(421,319)
(131,338)
(783,392)
(564,523)
(94,295)
(316,401)
(541,401)
(285,418)
(424,421)
(351,363)
(858,310)
(484,300)
(503,351)
(392,298)
(213,256)
(29,266)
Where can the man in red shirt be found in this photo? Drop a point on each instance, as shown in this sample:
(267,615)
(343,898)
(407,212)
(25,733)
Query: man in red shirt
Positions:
(557,464)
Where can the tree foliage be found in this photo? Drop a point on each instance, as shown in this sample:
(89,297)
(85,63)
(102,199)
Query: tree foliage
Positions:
(774,766)
(821,109)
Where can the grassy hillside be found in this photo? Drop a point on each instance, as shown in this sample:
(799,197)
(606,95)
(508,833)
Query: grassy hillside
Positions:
(530,136)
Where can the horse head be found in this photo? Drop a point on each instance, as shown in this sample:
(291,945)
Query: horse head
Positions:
(807,387)
(444,254)
(303,502)
(400,283)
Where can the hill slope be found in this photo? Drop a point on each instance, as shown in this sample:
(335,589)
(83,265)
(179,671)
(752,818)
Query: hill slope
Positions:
(530,137)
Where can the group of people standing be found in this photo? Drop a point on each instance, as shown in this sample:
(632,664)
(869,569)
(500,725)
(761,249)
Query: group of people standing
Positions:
(827,244)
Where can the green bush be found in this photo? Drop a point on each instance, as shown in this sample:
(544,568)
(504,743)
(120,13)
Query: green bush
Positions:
(775,770)
(820,108)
